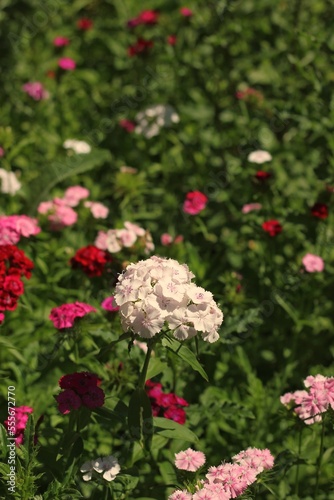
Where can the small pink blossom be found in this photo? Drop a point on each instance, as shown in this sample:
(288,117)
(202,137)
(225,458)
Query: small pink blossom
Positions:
(61,41)
(2,152)
(166,239)
(109,304)
(185,12)
(195,202)
(74,194)
(66,63)
(35,90)
(180,495)
(313,263)
(189,460)
(63,216)
(98,210)
(249,207)
(258,460)
(13,227)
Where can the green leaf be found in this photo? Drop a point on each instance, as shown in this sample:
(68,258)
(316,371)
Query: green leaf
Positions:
(173,430)
(140,421)
(185,354)
(155,367)
(109,414)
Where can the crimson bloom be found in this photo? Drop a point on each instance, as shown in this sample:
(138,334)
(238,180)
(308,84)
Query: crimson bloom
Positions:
(84,24)
(80,389)
(185,12)
(141,47)
(261,175)
(320,210)
(168,405)
(172,39)
(272,227)
(195,202)
(65,315)
(148,17)
(128,125)
(91,260)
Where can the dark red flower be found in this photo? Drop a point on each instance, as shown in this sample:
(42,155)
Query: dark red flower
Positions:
(13,285)
(171,39)
(272,227)
(83,387)
(67,401)
(8,302)
(147,17)
(166,399)
(320,210)
(84,24)
(128,125)
(141,47)
(91,260)
(175,413)
(94,398)
(261,175)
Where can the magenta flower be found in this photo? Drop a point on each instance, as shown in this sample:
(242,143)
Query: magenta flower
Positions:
(66,63)
(185,12)
(35,90)
(313,263)
(189,460)
(109,304)
(65,315)
(195,202)
(2,318)
(21,419)
(61,41)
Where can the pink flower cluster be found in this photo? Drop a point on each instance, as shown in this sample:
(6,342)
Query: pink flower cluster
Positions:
(167,405)
(98,210)
(313,263)
(35,90)
(13,227)
(309,405)
(65,315)
(109,304)
(21,414)
(116,239)
(157,291)
(195,202)
(167,240)
(228,480)
(80,389)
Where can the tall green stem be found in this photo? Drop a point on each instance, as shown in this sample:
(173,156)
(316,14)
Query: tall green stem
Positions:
(142,377)
(299,451)
(319,461)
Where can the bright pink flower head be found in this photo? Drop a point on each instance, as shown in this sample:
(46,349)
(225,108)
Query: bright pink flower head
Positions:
(195,202)
(313,263)
(235,478)
(65,315)
(249,207)
(61,41)
(154,389)
(74,194)
(109,304)
(98,210)
(148,17)
(2,318)
(84,24)
(26,226)
(272,227)
(62,216)
(21,419)
(67,64)
(185,12)
(176,413)
(189,460)
(35,90)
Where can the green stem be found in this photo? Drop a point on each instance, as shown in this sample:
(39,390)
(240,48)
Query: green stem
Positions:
(299,451)
(321,453)
(142,378)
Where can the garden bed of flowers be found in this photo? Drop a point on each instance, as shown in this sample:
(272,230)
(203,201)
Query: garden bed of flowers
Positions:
(166,250)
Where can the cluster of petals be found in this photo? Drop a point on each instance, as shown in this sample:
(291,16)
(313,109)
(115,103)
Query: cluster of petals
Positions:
(61,41)
(79,389)
(65,315)
(127,125)
(35,90)
(189,460)
(91,260)
(272,227)
(13,227)
(167,405)
(152,119)
(250,207)
(195,202)
(66,64)
(159,291)
(147,17)
(109,466)
(259,157)
(309,405)
(9,184)
(319,210)
(98,210)
(84,24)
(262,175)
(79,147)
(140,47)
(21,419)
(186,12)
(313,263)
(115,240)
(109,304)
(228,480)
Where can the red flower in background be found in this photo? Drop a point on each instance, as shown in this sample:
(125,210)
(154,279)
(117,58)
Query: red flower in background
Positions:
(13,265)
(171,39)
(84,24)
(128,125)
(81,389)
(249,95)
(272,227)
(261,175)
(320,210)
(91,260)
(167,405)
(195,202)
(140,47)
(148,17)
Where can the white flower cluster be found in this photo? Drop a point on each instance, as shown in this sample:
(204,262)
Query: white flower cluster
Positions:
(9,183)
(115,239)
(79,147)
(160,290)
(108,465)
(154,118)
